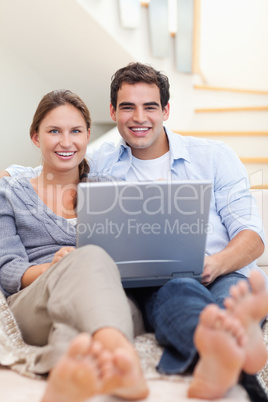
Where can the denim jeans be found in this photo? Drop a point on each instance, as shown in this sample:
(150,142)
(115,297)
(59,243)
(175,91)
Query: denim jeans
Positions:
(172,312)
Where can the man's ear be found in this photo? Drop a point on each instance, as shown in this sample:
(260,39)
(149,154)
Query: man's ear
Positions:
(166,111)
(35,139)
(112,112)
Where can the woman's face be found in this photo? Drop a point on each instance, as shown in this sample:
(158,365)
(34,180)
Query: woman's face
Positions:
(62,138)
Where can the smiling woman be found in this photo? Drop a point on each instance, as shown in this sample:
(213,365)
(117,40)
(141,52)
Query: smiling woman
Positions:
(48,282)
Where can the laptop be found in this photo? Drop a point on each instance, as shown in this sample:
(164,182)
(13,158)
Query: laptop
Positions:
(154,231)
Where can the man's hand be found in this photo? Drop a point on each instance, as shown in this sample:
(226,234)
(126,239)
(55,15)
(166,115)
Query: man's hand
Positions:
(244,248)
(212,269)
(61,253)
(3,173)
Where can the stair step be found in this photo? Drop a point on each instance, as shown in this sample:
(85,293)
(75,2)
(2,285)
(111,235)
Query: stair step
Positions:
(233,109)
(257,160)
(229,89)
(260,187)
(223,133)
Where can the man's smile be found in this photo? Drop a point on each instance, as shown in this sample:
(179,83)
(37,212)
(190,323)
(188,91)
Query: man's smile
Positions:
(140,131)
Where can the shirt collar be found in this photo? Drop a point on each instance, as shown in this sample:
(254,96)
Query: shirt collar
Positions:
(177,147)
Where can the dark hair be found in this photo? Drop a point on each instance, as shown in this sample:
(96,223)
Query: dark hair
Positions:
(51,101)
(135,73)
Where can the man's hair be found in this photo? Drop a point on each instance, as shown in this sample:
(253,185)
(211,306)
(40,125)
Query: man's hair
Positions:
(135,73)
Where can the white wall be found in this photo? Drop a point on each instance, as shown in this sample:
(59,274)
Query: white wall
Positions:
(21,90)
(234,52)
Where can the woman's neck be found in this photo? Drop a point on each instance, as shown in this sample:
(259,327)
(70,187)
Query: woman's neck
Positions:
(57,190)
(61,179)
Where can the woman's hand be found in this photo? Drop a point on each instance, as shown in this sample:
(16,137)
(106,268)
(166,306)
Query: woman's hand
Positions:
(61,253)
(35,271)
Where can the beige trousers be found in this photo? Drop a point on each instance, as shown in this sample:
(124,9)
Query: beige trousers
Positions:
(80,293)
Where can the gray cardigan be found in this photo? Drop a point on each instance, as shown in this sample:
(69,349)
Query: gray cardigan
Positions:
(30,233)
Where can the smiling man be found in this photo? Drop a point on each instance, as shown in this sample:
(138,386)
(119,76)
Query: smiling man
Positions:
(140,122)
(150,151)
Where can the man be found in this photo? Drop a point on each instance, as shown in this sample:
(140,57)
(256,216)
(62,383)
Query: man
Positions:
(148,150)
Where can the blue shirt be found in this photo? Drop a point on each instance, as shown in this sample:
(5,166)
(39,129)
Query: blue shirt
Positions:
(232,207)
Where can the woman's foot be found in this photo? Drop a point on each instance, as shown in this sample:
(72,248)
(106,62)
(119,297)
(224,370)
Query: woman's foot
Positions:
(127,379)
(78,374)
(250,306)
(220,340)
(87,369)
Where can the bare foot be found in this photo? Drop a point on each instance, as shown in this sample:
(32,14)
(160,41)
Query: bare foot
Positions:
(219,339)
(250,306)
(126,379)
(78,375)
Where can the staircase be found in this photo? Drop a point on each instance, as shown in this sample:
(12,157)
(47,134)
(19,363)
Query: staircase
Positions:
(238,116)
(219,90)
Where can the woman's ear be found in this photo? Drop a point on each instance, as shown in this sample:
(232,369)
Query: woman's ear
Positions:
(35,139)
(88,135)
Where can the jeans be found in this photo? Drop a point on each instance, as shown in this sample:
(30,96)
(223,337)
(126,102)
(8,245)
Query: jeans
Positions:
(172,312)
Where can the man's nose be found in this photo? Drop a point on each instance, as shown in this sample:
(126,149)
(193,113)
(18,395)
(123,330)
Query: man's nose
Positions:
(139,115)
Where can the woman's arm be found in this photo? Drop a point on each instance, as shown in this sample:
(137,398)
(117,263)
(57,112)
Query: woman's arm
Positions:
(33,272)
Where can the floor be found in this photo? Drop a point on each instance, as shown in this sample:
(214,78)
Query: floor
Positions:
(16,388)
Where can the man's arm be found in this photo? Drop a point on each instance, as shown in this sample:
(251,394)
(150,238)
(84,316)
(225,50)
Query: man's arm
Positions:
(15,170)
(4,173)
(244,248)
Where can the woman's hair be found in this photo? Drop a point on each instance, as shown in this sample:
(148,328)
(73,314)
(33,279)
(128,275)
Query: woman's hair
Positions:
(53,100)
(135,73)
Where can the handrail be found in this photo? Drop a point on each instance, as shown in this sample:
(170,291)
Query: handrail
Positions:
(233,109)
(223,133)
(228,89)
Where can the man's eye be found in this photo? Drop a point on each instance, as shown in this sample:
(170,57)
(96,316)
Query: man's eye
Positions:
(54,131)
(76,131)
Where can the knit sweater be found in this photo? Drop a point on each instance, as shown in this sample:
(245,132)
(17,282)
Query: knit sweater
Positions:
(30,233)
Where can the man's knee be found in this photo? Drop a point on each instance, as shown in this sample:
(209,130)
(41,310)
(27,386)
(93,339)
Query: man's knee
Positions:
(184,289)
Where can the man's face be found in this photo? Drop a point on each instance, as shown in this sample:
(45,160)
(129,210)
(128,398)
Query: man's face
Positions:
(139,118)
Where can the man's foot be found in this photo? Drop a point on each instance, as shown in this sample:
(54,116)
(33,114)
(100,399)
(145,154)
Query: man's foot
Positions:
(78,375)
(220,340)
(250,306)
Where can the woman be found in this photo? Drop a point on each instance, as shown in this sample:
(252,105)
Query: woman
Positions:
(55,291)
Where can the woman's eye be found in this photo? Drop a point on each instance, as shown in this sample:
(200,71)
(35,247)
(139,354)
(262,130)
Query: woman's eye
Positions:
(76,131)
(54,131)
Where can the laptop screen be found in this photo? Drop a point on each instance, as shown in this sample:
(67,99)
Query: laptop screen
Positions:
(153,230)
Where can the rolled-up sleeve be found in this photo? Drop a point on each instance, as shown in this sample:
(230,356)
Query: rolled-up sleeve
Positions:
(234,202)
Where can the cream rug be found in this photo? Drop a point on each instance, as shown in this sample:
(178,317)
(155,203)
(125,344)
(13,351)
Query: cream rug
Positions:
(18,356)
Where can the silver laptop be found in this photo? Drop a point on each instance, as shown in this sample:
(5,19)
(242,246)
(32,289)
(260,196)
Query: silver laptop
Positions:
(154,231)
